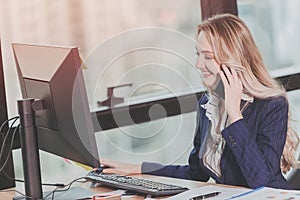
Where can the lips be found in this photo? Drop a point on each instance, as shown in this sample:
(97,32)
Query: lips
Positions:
(206,74)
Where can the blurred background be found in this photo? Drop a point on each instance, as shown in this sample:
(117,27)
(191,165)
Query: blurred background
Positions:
(98,27)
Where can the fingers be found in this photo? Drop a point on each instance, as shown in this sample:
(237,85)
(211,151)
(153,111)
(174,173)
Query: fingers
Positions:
(111,166)
(224,79)
(117,167)
(230,74)
(117,171)
(110,171)
(227,74)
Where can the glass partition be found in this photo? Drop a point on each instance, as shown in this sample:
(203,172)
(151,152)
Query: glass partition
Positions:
(117,39)
(275,28)
(168,140)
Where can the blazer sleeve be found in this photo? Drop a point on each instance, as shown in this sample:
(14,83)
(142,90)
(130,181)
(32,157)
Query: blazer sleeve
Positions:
(192,171)
(258,154)
(189,172)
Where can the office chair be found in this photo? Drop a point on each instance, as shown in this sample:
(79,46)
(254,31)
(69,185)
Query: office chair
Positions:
(294,178)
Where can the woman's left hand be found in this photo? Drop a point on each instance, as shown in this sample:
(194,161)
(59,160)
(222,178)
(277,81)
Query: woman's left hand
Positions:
(118,167)
(233,92)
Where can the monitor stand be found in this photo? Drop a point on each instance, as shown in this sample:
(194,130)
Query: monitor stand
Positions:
(29,147)
(31,159)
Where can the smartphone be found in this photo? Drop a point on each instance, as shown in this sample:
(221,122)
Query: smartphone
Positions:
(219,89)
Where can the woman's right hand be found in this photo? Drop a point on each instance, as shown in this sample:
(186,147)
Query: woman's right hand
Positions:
(121,168)
(233,92)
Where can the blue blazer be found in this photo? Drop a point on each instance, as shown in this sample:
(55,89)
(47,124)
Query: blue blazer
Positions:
(253,149)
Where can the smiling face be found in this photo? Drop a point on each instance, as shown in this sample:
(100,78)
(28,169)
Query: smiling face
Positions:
(206,62)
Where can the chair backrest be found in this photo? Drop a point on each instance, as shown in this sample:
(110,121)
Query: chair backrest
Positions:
(294,178)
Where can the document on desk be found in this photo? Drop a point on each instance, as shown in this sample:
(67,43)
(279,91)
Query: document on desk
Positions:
(225,192)
(269,193)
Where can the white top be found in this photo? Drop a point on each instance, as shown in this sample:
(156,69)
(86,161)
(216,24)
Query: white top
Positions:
(215,143)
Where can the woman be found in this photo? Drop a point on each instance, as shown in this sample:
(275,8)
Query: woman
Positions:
(240,139)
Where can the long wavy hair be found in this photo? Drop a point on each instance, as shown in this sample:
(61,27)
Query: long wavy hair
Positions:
(232,43)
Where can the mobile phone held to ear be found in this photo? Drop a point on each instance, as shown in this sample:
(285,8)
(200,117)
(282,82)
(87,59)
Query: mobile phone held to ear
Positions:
(219,89)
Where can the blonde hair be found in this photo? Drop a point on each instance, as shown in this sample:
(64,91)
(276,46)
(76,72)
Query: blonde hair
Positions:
(232,44)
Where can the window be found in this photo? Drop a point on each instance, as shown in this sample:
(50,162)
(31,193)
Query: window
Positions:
(275,28)
(147,43)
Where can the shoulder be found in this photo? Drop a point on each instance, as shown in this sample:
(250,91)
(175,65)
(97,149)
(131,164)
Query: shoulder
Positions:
(272,102)
(274,107)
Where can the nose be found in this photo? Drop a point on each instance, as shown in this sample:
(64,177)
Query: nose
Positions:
(199,63)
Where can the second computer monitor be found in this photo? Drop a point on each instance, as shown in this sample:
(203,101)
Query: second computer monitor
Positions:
(54,75)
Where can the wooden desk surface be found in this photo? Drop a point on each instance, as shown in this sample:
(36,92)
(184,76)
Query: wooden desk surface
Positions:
(181,182)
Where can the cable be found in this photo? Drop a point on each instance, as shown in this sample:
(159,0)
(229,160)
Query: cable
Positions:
(8,121)
(4,141)
(57,185)
(14,179)
(45,184)
(18,180)
(68,187)
(10,148)
(7,133)
(57,189)
(50,193)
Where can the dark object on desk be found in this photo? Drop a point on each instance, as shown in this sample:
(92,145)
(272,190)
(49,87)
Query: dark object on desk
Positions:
(205,196)
(100,169)
(138,185)
(111,99)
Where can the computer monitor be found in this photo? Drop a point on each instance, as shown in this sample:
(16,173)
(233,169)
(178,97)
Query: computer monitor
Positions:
(5,182)
(54,75)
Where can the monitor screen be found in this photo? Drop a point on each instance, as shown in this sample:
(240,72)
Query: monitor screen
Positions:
(54,75)
(5,182)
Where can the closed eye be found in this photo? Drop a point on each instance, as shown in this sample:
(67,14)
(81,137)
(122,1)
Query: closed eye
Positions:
(208,57)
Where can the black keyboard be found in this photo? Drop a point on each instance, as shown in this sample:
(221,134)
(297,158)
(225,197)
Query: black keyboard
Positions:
(138,185)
